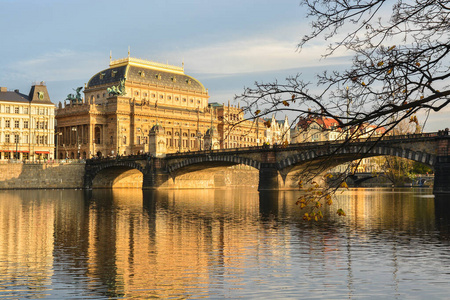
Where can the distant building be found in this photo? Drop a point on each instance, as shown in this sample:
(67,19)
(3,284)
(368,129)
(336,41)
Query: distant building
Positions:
(27,124)
(279,131)
(317,130)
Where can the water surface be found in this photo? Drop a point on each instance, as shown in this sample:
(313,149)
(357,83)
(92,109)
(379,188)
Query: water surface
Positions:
(233,244)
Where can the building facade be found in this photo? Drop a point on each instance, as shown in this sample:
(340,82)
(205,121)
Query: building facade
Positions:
(27,124)
(123,103)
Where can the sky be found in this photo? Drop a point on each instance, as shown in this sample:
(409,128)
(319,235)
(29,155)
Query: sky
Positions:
(227,45)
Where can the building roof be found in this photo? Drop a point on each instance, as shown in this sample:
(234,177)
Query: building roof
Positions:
(147,72)
(324,123)
(38,94)
(13,96)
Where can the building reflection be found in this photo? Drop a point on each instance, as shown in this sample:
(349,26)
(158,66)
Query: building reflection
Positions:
(132,243)
(161,242)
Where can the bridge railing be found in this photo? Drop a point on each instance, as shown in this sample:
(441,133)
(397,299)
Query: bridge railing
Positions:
(304,145)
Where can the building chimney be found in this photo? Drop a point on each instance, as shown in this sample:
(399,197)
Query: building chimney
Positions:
(3,89)
(16,91)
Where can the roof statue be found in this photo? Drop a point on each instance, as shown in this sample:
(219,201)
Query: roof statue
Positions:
(75,98)
(118,90)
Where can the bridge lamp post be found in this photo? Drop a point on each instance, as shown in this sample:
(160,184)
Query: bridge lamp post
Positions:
(199,137)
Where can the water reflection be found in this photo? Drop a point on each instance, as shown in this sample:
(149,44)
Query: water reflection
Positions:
(220,243)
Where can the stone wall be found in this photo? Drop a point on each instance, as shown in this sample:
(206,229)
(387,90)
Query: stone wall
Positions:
(41,175)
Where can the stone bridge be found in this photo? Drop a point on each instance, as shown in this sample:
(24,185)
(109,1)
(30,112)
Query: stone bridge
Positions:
(278,167)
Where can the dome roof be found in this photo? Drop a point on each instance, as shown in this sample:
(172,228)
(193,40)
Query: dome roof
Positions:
(146,72)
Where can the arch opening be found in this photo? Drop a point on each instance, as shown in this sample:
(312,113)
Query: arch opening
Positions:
(118,177)
(216,175)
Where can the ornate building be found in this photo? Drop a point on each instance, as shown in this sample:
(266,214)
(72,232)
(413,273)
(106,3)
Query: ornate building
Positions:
(123,103)
(27,124)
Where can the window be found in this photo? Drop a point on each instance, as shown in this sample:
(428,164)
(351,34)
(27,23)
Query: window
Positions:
(25,110)
(25,139)
(7,139)
(16,110)
(7,109)
(124,139)
(16,124)
(7,124)
(16,138)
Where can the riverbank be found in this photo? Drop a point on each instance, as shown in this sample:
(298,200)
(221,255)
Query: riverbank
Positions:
(45,175)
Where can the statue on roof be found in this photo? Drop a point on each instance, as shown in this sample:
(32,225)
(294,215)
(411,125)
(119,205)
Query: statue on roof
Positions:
(118,90)
(77,97)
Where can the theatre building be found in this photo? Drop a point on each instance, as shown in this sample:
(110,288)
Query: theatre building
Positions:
(123,103)
(27,124)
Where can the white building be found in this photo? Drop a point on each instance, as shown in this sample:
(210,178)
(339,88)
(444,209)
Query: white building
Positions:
(27,124)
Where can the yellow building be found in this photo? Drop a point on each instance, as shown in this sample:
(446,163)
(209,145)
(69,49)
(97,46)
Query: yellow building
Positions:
(123,103)
(27,124)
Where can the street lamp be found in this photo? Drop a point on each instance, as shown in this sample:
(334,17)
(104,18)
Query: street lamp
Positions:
(56,143)
(16,141)
(78,149)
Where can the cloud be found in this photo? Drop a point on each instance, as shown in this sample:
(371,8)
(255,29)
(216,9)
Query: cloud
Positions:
(275,50)
(57,66)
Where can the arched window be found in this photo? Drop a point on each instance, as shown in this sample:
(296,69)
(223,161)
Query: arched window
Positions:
(97,135)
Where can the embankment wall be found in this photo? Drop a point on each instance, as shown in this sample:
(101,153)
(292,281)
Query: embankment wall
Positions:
(41,175)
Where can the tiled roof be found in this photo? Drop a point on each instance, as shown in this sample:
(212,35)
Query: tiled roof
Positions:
(33,96)
(145,75)
(13,96)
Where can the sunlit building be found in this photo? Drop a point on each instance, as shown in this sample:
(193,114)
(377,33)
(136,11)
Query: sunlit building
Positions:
(27,124)
(123,103)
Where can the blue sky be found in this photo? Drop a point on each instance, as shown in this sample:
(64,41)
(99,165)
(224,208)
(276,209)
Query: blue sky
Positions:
(225,44)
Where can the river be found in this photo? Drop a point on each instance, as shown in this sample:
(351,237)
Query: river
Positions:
(236,244)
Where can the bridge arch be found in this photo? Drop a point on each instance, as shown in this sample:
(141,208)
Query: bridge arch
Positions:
(346,154)
(205,162)
(115,174)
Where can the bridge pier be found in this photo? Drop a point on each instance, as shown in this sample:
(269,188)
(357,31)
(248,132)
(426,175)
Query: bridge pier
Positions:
(269,178)
(442,175)
(156,176)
